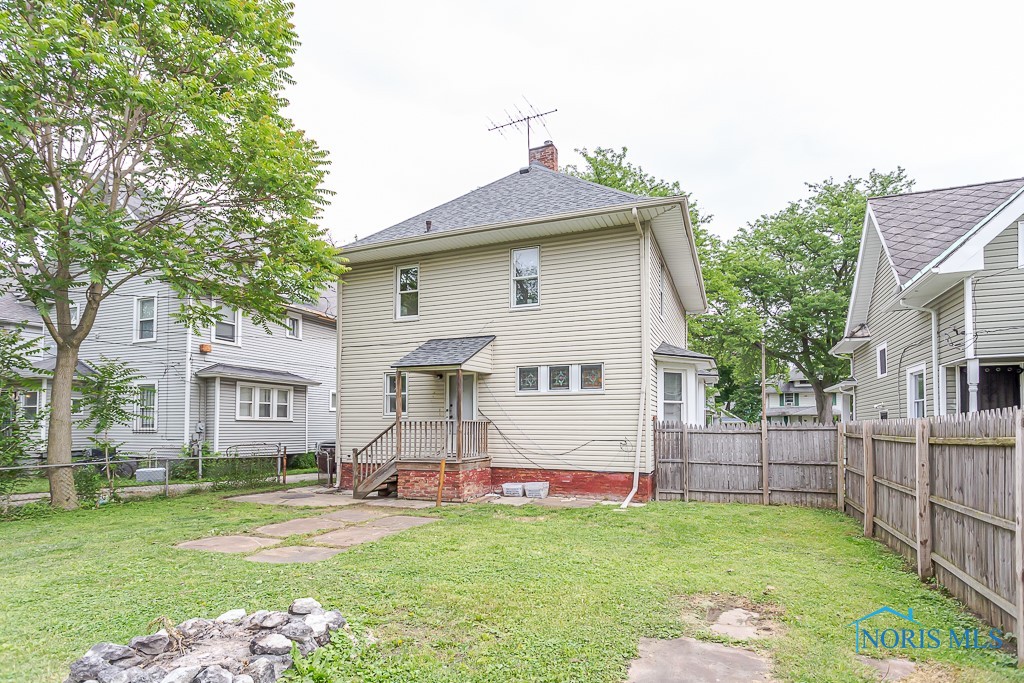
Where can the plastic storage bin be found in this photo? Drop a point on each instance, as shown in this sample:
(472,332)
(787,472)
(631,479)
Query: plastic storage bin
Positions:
(512,490)
(536,489)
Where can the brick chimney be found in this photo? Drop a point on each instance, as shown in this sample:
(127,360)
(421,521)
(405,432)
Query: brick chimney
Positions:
(545,155)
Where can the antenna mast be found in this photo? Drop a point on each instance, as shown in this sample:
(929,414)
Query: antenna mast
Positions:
(519,121)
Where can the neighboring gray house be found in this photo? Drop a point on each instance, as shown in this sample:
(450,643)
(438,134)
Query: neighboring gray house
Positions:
(233,384)
(934,325)
(792,401)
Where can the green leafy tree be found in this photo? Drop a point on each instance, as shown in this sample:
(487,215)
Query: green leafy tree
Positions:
(110,398)
(19,431)
(794,270)
(145,140)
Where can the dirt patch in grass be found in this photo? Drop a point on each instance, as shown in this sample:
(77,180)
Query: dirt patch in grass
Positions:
(706,611)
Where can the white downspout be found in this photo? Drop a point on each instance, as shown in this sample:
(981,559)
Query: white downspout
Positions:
(188,386)
(644,380)
(936,393)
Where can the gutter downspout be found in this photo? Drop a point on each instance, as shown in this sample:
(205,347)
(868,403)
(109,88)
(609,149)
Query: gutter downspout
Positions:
(188,384)
(644,380)
(936,395)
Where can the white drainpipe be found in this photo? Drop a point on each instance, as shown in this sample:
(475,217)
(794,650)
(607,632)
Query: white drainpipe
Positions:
(644,380)
(936,393)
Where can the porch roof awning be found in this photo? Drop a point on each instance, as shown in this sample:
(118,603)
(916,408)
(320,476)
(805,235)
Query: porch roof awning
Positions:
(240,372)
(468,353)
(666,350)
(46,366)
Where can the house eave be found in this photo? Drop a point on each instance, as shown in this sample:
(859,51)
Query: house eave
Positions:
(848,345)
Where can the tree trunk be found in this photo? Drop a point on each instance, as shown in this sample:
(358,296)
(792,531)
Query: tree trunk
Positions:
(823,402)
(58,436)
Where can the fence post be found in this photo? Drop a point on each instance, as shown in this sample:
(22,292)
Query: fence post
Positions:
(284,466)
(841,467)
(924,491)
(765,491)
(1018,531)
(167,478)
(685,448)
(355,469)
(869,481)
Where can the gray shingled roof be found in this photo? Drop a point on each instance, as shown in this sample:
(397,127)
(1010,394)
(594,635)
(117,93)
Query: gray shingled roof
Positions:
(443,352)
(668,350)
(516,197)
(50,364)
(917,227)
(255,374)
(15,311)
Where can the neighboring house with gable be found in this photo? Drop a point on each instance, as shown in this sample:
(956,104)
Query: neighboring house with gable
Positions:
(934,325)
(235,383)
(555,308)
(792,402)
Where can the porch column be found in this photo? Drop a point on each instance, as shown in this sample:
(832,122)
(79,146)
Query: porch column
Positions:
(398,413)
(973,379)
(458,415)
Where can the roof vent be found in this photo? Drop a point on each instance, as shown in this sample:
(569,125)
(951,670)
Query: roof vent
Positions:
(428,226)
(524,170)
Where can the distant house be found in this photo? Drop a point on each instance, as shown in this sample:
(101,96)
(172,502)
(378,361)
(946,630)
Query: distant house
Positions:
(529,330)
(792,401)
(934,324)
(235,383)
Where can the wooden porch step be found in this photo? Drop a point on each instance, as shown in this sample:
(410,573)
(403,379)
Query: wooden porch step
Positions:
(385,477)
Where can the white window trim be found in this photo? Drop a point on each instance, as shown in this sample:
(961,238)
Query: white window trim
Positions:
(136,319)
(512,282)
(332,401)
(684,403)
(238,329)
(1020,244)
(137,425)
(575,380)
(919,369)
(288,329)
(878,355)
(405,394)
(73,306)
(786,396)
(398,292)
(274,388)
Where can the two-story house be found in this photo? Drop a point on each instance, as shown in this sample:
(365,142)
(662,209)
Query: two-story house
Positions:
(792,401)
(233,384)
(528,331)
(934,324)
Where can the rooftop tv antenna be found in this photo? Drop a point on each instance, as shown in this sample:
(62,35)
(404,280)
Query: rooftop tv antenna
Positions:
(520,121)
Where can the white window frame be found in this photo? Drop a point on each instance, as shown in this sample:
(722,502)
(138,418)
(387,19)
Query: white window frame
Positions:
(256,388)
(513,279)
(298,327)
(73,306)
(137,319)
(919,369)
(332,401)
(789,400)
(575,379)
(38,403)
(683,403)
(405,394)
(238,327)
(882,348)
(137,426)
(398,291)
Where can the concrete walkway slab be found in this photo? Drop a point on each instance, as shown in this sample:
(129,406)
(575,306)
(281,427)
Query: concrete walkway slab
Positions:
(356,515)
(303,525)
(737,623)
(307,496)
(228,544)
(294,554)
(401,522)
(353,535)
(399,503)
(692,661)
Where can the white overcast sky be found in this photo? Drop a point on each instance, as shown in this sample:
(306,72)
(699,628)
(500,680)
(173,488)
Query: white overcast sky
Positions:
(740,102)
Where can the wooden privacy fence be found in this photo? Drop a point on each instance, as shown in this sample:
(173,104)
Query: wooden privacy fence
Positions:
(795,465)
(948,494)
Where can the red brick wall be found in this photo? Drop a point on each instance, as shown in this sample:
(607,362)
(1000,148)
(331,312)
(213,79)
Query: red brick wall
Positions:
(346,476)
(419,483)
(545,155)
(613,485)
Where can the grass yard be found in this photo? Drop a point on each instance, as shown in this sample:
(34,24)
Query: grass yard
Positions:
(490,594)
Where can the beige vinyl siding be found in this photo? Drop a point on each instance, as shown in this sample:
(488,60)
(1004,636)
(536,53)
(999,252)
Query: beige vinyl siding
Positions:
(998,290)
(950,306)
(589,313)
(907,335)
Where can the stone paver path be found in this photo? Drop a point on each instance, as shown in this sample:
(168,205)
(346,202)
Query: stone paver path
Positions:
(398,503)
(228,544)
(303,525)
(308,496)
(692,661)
(353,535)
(293,554)
(358,514)
(400,522)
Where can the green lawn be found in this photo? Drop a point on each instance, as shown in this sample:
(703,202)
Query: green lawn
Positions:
(489,594)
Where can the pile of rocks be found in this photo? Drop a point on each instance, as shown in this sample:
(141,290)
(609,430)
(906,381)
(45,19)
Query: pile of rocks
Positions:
(233,648)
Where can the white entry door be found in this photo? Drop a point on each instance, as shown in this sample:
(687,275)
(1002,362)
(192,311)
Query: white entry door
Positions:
(468,396)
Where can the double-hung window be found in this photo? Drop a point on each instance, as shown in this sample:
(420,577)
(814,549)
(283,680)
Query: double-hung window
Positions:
(30,405)
(145,318)
(672,396)
(390,395)
(882,360)
(226,329)
(916,404)
(333,405)
(789,400)
(293,329)
(526,277)
(256,402)
(145,419)
(407,293)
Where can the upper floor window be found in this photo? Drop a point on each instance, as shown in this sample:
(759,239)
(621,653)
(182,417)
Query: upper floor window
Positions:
(30,405)
(145,318)
(881,360)
(407,298)
(525,277)
(789,399)
(226,329)
(293,329)
(145,419)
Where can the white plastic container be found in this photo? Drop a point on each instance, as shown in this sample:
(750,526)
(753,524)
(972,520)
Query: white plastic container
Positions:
(150,474)
(536,489)
(512,490)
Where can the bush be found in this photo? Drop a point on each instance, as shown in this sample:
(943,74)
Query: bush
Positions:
(88,483)
(240,472)
(302,461)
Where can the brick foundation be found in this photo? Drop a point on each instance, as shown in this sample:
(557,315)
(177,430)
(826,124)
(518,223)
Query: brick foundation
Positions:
(462,481)
(611,485)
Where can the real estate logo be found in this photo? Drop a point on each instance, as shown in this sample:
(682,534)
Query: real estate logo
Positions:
(919,637)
